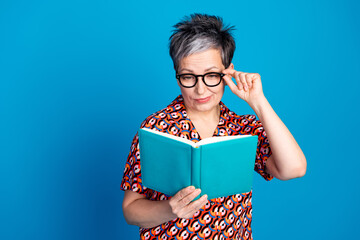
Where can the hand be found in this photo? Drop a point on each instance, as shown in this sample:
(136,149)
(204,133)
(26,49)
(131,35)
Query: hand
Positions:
(248,86)
(181,204)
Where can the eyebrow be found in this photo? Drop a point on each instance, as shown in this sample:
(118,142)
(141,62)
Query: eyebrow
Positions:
(189,70)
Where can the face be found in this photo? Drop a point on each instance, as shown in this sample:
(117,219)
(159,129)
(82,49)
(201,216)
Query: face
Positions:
(202,98)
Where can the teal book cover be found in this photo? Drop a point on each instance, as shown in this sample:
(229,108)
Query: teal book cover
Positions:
(219,166)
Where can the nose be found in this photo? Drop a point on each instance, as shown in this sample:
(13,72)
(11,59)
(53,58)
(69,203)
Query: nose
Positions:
(200,87)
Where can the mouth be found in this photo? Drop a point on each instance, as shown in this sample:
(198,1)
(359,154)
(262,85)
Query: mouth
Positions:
(202,100)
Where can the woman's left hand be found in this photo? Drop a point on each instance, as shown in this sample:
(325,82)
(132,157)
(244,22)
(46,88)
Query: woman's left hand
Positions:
(248,86)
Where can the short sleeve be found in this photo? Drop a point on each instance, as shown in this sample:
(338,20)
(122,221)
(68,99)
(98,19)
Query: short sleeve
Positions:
(132,172)
(263,151)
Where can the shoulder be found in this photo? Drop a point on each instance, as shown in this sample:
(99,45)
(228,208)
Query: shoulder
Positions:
(241,124)
(243,119)
(166,116)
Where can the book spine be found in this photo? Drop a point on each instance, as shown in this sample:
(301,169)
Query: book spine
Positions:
(195,167)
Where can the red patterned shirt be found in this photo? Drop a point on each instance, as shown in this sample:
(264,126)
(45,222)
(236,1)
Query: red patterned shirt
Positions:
(220,218)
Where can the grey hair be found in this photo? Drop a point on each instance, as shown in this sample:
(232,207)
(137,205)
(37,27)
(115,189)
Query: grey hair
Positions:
(200,32)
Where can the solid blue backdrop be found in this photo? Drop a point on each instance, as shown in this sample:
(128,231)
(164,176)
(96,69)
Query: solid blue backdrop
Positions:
(78,77)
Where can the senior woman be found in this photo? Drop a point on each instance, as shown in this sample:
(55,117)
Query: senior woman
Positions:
(202,48)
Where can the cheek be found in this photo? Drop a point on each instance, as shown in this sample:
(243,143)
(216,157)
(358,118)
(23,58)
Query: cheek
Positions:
(186,92)
(218,92)
(221,88)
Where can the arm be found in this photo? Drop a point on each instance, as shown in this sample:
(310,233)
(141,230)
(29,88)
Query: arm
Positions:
(146,213)
(287,160)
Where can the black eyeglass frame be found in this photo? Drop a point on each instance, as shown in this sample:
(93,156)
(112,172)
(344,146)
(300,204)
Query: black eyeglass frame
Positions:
(203,79)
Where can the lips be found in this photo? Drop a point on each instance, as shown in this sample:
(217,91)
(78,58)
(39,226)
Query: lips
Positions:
(202,100)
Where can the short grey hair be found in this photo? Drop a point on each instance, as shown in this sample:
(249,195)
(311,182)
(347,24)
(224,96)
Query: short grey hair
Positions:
(200,32)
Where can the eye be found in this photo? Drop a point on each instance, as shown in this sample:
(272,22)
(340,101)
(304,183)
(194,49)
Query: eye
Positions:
(213,75)
(187,77)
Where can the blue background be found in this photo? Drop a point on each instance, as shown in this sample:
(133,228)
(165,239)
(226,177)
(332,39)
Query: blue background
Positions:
(78,77)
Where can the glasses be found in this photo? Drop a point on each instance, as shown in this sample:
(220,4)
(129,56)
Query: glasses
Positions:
(211,79)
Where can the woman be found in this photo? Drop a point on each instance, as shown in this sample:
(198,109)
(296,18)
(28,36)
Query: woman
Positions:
(202,49)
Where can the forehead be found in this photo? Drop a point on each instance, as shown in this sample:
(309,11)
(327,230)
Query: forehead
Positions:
(202,61)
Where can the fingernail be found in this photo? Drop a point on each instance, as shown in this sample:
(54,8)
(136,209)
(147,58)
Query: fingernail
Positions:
(191,187)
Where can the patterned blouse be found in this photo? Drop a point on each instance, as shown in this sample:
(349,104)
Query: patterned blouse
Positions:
(220,218)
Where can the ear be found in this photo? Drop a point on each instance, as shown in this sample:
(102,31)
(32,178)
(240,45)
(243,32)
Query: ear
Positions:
(231,66)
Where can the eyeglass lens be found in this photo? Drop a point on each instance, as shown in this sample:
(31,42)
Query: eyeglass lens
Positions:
(211,79)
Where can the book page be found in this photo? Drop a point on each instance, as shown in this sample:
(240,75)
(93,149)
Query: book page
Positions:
(220,139)
(180,139)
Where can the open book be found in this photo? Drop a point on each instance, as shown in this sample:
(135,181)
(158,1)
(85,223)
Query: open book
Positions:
(219,166)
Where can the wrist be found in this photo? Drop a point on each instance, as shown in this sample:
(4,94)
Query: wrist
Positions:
(168,209)
(259,105)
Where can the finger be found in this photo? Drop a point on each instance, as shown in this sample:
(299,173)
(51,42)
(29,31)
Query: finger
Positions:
(196,205)
(243,81)
(235,88)
(238,81)
(187,199)
(201,201)
(256,77)
(229,71)
(249,79)
(230,83)
(183,193)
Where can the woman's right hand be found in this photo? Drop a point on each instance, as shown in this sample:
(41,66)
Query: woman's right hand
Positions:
(181,203)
